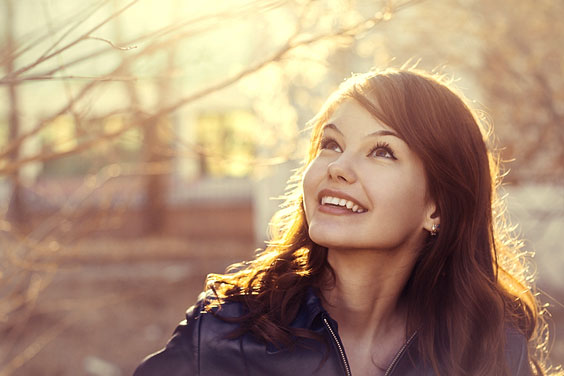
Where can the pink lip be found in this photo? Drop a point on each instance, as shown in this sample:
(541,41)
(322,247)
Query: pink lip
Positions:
(334,209)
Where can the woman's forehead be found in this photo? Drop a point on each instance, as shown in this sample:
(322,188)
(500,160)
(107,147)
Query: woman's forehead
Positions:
(352,112)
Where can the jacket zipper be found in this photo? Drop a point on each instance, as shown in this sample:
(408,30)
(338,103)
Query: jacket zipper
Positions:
(339,346)
(399,354)
(344,358)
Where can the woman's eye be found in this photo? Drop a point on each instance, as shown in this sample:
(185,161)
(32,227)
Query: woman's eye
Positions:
(330,145)
(382,151)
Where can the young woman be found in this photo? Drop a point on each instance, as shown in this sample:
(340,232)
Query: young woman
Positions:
(390,256)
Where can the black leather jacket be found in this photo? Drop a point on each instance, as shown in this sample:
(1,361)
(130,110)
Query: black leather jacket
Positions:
(199,347)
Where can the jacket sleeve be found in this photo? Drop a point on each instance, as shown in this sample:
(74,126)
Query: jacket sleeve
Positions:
(181,354)
(517,354)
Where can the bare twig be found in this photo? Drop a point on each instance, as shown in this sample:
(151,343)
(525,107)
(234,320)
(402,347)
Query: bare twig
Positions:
(18,141)
(48,156)
(69,45)
(28,41)
(277,56)
(292,44)
(40,342)
(73,27)
(113,45)
(195,26)
(72,77)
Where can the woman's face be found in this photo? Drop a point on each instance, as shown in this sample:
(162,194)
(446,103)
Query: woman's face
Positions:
(366,189)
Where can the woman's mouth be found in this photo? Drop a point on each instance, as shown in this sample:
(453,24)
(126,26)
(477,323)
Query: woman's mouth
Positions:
(341,203)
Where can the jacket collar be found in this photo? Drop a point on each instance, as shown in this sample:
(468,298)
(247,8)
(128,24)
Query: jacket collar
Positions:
(312,307)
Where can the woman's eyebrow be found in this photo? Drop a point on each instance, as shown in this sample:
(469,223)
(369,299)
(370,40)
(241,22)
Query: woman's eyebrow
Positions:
(384,132)
(380,132)
(331,126)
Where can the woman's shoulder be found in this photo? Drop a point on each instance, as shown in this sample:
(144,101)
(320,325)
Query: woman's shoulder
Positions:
(516,352)
(210,341)
(181,355)
(516,355)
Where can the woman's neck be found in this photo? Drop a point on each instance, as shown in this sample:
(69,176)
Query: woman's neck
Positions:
(366,296)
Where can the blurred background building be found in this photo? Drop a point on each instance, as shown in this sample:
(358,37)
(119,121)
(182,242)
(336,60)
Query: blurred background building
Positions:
(144,144)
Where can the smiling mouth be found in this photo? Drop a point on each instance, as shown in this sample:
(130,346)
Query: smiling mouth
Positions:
(343,203)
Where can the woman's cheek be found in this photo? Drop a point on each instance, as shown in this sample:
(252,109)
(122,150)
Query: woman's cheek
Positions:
(308,189)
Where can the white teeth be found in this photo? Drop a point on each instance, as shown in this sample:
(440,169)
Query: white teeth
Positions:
(342,202)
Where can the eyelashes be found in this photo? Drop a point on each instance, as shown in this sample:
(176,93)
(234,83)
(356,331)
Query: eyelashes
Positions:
(380,150)
(329,143)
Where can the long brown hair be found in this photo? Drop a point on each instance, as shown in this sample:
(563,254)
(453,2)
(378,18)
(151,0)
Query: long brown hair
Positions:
(469,282)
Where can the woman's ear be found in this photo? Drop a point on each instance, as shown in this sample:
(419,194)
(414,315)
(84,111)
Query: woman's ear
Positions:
(432,219)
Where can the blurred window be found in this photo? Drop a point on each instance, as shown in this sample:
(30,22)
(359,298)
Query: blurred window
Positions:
(226,143)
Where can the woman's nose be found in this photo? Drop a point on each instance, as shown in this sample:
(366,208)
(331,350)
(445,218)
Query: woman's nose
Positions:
(341,170)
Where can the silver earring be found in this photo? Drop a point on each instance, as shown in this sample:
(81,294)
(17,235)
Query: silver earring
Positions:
(435,229)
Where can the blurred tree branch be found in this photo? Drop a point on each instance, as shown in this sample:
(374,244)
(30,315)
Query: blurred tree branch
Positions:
(47,55)
(522,77)
(297,40)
